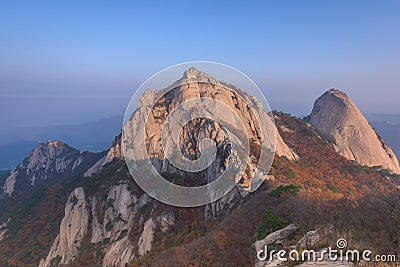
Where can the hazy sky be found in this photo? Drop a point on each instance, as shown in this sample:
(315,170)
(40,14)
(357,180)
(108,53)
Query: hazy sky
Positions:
(74,62)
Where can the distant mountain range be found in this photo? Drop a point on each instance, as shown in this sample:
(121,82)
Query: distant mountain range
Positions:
(16,143)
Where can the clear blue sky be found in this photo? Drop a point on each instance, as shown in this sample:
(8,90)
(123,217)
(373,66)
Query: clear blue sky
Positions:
(68,62)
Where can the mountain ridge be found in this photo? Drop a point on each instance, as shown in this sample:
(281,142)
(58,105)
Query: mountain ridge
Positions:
(96,215)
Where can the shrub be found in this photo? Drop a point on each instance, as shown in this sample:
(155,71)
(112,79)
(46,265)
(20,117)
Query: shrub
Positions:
(334,188)
(290,173)
(292,189)
(269,223)
(109,226)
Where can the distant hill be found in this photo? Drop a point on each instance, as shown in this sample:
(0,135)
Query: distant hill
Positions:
(94,136)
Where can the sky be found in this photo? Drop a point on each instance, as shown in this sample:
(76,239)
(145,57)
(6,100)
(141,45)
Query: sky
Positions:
(66,62)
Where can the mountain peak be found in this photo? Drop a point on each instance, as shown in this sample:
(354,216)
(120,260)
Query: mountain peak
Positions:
(193,73)
(337,93)
(45,160)
(49,150)
(332,90)
(197,75)
(337,118)
(51,144)
(55,143)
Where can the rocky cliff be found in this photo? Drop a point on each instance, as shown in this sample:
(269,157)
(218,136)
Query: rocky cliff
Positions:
(337,118)
(113,153)
(45,160)
(49,168)
(73,229)
(232,116)
(109,220)
(124,222)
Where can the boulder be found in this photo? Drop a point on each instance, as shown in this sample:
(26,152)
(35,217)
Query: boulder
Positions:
(337,119)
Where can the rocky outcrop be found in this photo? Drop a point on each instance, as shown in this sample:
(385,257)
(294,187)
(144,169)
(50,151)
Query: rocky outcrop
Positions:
(218,208)
(146,239)
(166,220)
(108,222)
(44,161)
(312,238)
(277,240)
(246,114)
(338,119)
(50,158)
(282,240)
(8,187)
(283,150)
(97,224)
(125,222)
(119,254)
(122,209)
(3,229)
(114,152)
(278,237)
(73,229)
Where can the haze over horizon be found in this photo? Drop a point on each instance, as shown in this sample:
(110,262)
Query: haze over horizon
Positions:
(70,63)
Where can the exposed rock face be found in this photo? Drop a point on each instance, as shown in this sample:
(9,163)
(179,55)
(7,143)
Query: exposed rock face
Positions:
(8,187)
(3,229)
(218,208)
(200,86)
(119,254)
(114,214)
(283,150)
(281,240)
(113,153)
(146,239)
(50,158)
(166,220)
(338,119)
(278,238)
(312,238)
(275,239)
(45,160)
(119,216)
(73,229)
(197,85)
(107,221)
